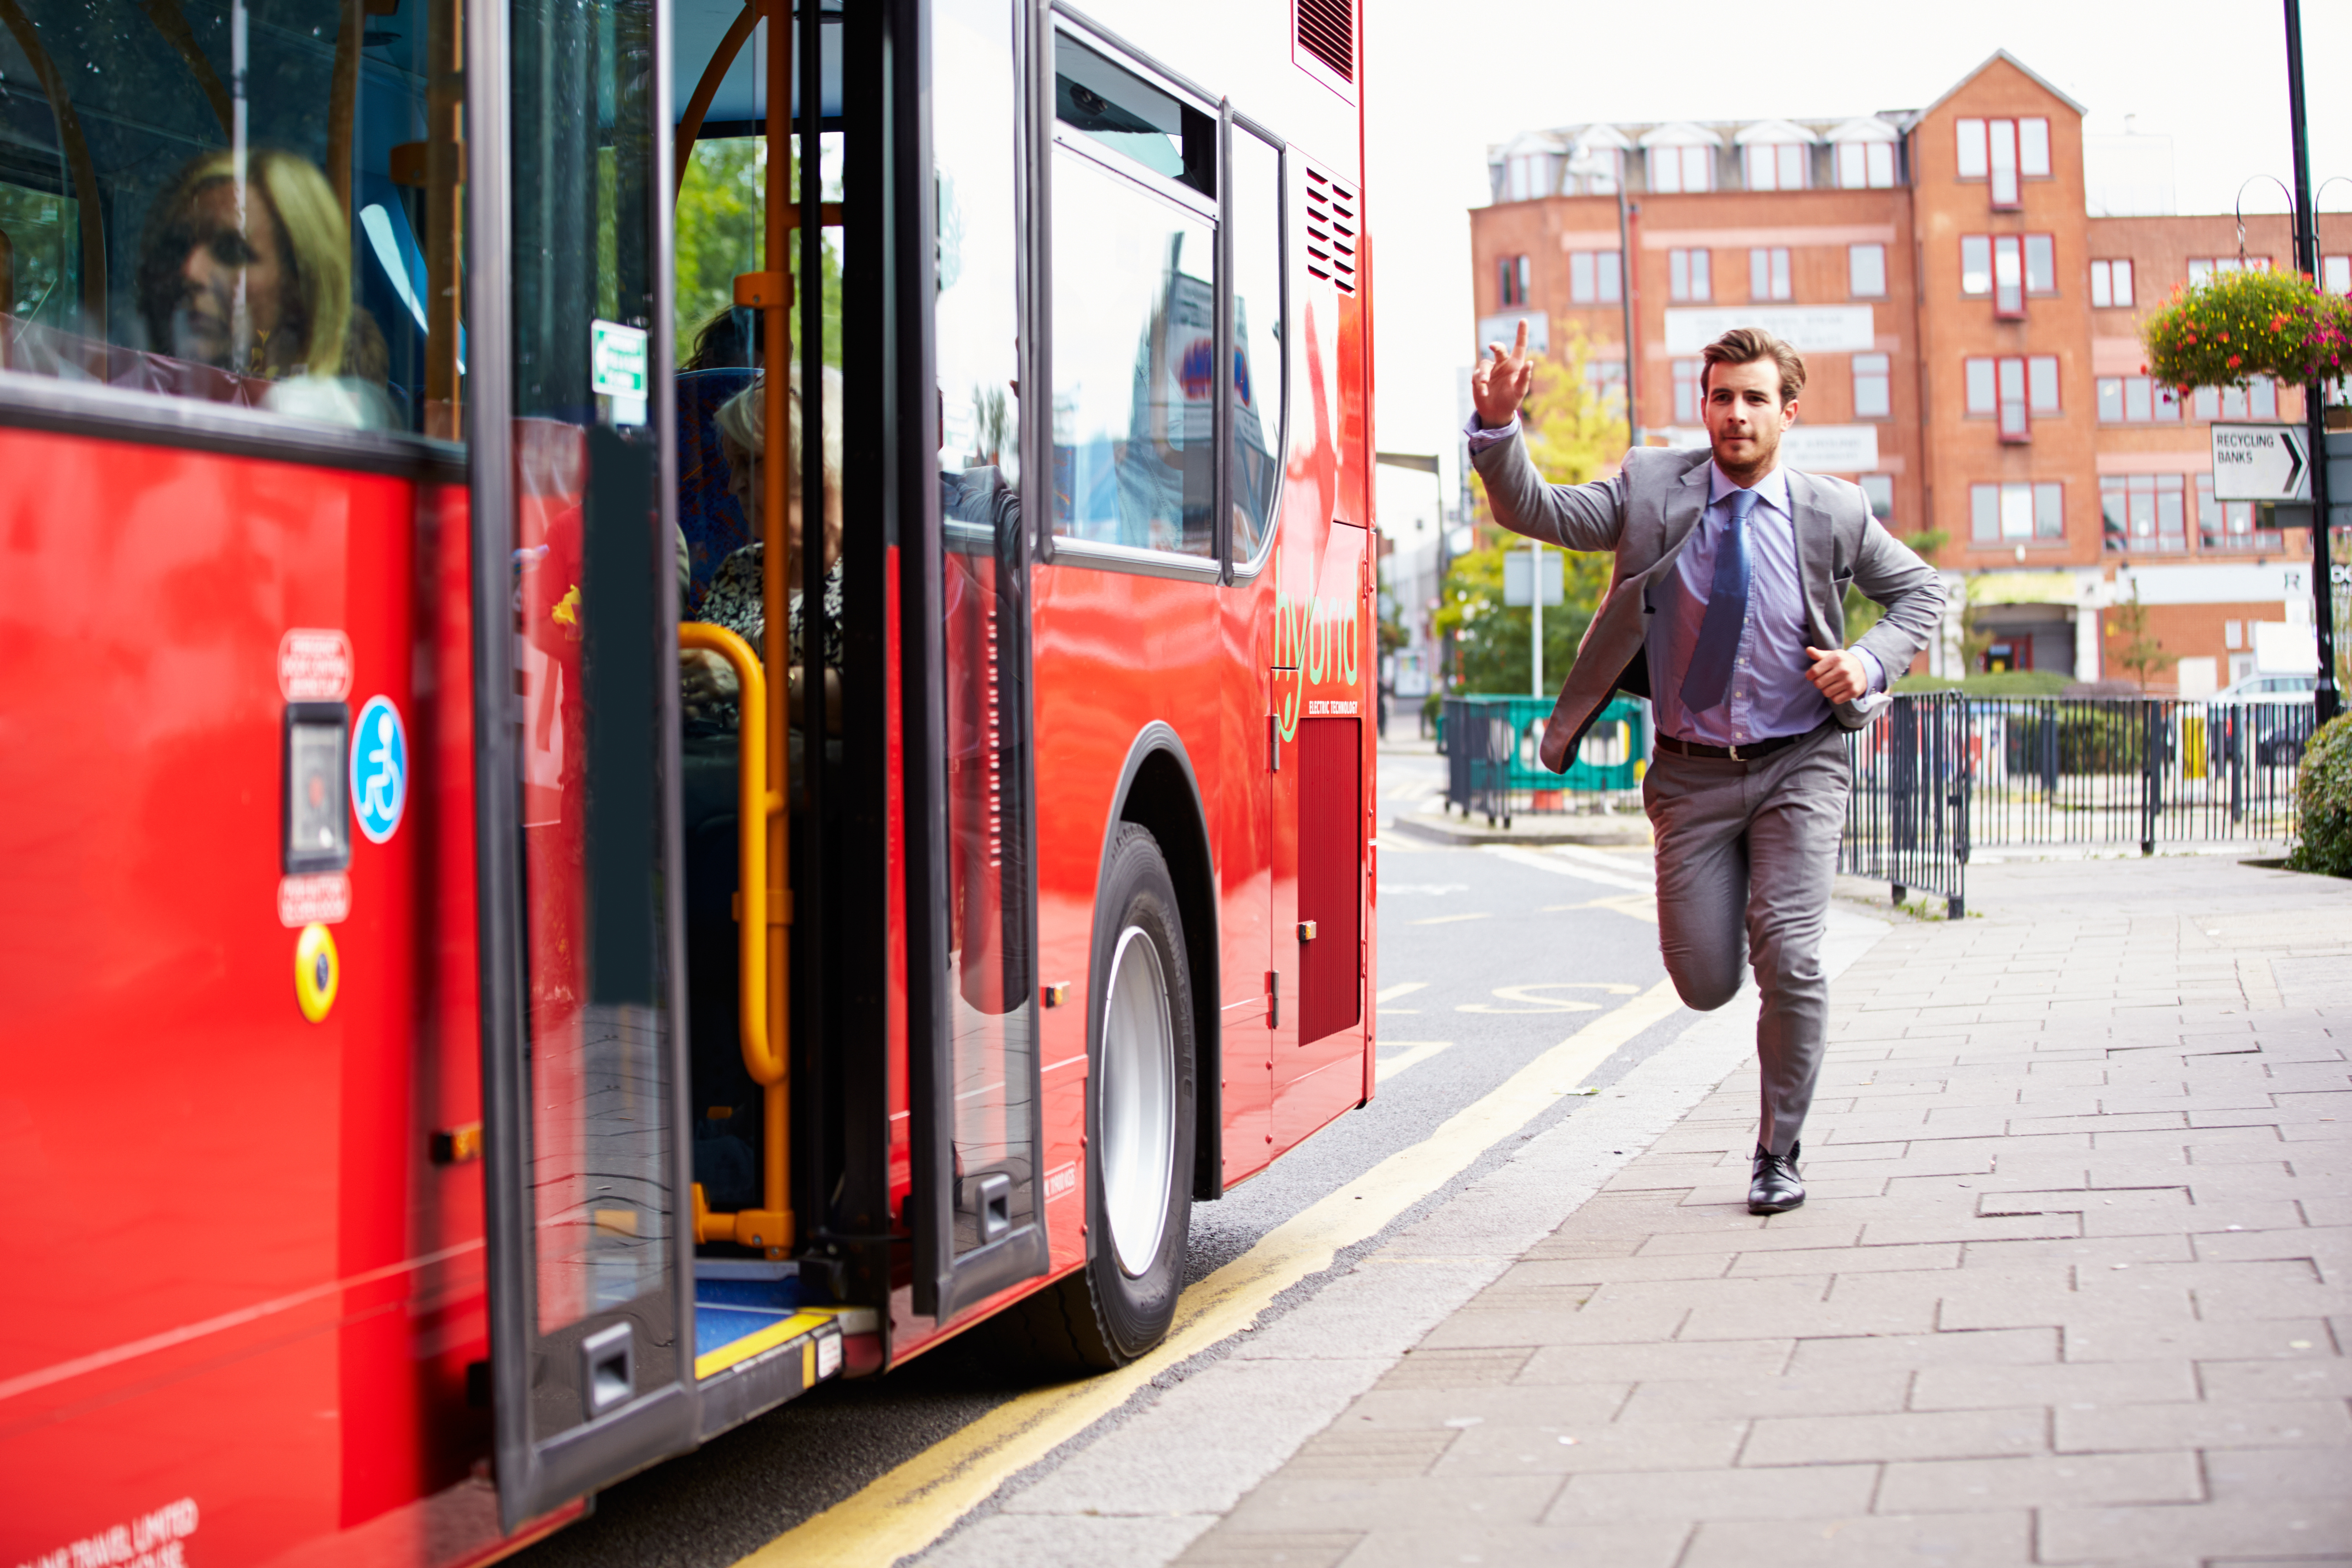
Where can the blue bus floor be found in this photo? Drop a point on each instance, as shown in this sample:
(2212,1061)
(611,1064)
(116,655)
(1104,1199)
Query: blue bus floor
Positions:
(734,1300)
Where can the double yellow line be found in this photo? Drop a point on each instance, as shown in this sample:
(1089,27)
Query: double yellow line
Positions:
(912,1506)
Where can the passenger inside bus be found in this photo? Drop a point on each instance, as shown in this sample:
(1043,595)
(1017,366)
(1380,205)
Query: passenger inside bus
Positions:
(270,296)
(141,260)
(728,1103)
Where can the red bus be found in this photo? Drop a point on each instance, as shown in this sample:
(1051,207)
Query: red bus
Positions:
(486,1017)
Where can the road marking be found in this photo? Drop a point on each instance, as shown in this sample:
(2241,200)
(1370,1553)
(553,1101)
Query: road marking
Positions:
(1447,920)
(913,1505)
(1559,866)
(1641,906)
(1402,1054)
(1533,1004)
(1389,993)
(1424,887)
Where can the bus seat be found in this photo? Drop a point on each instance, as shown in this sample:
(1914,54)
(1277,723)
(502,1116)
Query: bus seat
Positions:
(714,526)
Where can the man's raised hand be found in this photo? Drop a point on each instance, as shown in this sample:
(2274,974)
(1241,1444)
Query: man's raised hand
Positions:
(1499,385)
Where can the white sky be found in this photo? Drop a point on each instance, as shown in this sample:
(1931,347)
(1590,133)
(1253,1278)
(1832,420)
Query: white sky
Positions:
(1442,84)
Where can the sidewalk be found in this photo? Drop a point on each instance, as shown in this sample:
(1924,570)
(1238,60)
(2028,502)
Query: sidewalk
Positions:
(2071,1286)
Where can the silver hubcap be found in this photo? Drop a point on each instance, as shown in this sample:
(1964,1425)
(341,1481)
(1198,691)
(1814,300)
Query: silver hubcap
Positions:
(1139,1102)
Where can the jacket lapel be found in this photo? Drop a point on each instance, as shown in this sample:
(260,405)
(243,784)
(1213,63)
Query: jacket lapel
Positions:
(1816,552)
(1684,504)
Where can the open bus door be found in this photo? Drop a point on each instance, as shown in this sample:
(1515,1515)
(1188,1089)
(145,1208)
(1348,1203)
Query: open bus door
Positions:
(590,1260)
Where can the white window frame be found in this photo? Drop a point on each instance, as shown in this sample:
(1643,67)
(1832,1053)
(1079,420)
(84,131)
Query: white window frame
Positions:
(1690,275)
(1770,265)
(1855,266)
(1874,386)
(2111,284)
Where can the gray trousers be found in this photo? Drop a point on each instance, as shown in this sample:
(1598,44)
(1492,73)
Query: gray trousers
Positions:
(1747,856)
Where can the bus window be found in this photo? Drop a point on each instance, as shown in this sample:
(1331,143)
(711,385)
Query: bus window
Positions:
(249,208)
(1134,340)
(1255,182)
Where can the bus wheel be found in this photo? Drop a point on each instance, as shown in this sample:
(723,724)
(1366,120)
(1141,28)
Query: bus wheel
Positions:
(1141,1100)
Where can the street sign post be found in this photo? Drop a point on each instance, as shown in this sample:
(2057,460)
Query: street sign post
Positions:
(2261,462)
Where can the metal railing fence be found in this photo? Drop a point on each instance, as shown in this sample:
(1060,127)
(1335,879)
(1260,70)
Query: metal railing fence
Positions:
(1943,771)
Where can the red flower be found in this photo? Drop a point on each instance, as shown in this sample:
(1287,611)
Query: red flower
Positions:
(2233,362)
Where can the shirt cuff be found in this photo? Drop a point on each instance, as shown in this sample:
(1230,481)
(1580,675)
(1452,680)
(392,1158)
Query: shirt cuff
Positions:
(1876,671)
(1481,437)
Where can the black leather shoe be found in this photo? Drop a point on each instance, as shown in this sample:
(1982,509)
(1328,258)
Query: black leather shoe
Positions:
(1775,1188)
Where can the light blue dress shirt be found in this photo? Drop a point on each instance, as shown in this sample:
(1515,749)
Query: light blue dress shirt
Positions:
(1769,694)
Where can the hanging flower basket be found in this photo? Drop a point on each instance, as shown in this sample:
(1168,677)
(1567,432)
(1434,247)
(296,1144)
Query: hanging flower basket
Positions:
(2235,326)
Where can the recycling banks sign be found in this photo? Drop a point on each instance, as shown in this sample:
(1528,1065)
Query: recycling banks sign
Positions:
(2261,462)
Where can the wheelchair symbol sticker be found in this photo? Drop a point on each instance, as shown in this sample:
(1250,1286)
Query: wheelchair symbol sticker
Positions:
(379,769)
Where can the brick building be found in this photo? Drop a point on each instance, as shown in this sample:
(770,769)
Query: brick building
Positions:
(1969,333)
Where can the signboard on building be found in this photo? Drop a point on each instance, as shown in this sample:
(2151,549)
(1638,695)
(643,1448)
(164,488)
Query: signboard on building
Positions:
(1808,329)
(1523,570)
(2261,462)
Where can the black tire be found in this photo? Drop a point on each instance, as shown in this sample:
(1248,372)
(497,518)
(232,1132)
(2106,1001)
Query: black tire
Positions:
(1106,1314)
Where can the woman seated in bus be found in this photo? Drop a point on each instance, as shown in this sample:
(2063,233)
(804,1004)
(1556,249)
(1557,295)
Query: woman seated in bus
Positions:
(733,599)
(266,293)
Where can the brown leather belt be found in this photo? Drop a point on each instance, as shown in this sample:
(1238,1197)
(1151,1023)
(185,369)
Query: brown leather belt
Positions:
(1743,753)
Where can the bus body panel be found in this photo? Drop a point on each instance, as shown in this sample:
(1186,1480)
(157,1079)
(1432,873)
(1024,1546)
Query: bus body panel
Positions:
(257,1292)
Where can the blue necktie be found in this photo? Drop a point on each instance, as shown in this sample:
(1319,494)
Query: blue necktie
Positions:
(1727,611)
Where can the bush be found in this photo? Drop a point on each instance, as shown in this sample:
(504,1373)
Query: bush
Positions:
(2001,683)
(2323,802)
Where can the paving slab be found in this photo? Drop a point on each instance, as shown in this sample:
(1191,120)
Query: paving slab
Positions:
(2074,1286)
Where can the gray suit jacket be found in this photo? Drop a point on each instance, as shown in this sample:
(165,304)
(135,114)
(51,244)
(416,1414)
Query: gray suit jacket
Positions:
(1648,512)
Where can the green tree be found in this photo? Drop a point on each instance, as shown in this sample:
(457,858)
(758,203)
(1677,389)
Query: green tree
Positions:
(721,211)
(1573,432)
(2133,650)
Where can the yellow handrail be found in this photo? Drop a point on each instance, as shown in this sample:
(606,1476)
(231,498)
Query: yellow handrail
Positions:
(762,914)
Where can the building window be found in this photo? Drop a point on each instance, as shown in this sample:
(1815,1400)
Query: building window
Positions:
(2201,268)
(2001,151)
(1767,272)
(2007,276)
(2041,264)
(2143,511)
(1976,264)
(2012,390)
(2256,400)
(2136,400)
(2017,513)
(2336,274)
(2016,418)
(1682,170)
(1687,373)
(1776,166)
(1979,377)
(1688,277)
(1866,271)
(1871,386)
(1513,274)
(2041,382)
(2111,285)
(1594,278)
(1865,165)
(1529,176)
(2233,632)
(1605,379)
(1878,489)
(2230,525)
(1598,184)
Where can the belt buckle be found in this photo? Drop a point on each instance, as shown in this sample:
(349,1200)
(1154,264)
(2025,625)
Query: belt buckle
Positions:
(1733,751)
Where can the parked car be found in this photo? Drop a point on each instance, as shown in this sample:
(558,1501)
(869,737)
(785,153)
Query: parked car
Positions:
(2278,717)
(2269,688)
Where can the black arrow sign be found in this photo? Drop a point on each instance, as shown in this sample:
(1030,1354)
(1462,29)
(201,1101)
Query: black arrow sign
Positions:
(2295,458)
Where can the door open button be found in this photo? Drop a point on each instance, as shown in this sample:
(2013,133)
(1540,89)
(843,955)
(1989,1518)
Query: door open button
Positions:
(1307,931)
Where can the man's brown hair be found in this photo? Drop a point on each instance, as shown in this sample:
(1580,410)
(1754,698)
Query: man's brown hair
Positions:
(1746,345)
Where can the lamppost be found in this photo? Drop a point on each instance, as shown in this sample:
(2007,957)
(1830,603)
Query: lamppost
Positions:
(1589,163)
(2314,397)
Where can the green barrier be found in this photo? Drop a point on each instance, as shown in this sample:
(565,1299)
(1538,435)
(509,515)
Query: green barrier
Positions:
(1495,767)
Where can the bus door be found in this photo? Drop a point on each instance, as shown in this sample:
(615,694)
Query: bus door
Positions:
(976,1208)
(591,1314)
